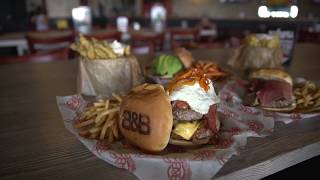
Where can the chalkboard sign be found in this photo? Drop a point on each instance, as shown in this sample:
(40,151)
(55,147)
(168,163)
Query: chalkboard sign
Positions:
(287,39)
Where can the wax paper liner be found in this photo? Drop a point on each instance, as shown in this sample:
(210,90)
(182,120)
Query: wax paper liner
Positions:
(177,163)
(234,92)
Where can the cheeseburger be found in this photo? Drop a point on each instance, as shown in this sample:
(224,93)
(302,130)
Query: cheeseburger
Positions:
(194,108)
(271,89)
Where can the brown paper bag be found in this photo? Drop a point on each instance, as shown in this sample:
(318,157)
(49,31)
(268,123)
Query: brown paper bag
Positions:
(104,77)
(248,57)
(258,51)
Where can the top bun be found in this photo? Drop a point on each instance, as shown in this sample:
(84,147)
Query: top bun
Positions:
(146,117)
(271,74)
(185,56)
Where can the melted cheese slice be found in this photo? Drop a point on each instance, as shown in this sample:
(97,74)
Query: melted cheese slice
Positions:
(187,129)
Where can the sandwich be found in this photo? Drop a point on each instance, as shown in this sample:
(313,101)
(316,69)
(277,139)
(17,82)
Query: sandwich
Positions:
(194,109)
(271,89)
(165,67)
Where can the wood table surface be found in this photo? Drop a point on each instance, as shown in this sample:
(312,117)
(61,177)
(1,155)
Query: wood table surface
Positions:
(36,145)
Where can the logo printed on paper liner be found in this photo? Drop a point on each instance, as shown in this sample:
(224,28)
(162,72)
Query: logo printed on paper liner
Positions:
(102,146)
(73,103)
(295,116)
(124,161)
(255,126)
(178,169)
(248,110)
(204,154)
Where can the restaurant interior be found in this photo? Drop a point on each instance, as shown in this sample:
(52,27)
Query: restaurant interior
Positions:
(151,26)
(36,35)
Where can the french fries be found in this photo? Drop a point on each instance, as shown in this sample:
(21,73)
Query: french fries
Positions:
(211,69)
(96,49)
(100,120)
(307,97)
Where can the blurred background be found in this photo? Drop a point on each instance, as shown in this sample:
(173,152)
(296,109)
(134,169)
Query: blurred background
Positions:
(156,25)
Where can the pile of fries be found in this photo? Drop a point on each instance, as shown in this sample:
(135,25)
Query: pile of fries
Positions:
(100,120)
(211,69)
(307,97)
(96,49)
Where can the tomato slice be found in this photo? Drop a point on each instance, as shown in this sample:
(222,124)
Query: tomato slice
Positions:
(182,104)
(212,121)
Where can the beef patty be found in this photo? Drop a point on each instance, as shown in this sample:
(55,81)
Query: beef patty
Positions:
(182,111)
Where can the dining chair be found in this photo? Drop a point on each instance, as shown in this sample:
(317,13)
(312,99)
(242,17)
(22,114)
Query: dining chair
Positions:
(55,55)
(49,40)
(185,37)
(105,35)
(150,41)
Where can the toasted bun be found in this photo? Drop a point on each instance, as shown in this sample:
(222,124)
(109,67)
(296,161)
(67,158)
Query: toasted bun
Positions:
(146,117)
(271,74)
(185,56)
(181,142)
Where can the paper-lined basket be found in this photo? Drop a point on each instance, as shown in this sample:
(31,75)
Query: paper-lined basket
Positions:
(106,76)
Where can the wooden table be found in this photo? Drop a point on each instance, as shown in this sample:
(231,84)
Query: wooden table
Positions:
(35,143)
(16,40)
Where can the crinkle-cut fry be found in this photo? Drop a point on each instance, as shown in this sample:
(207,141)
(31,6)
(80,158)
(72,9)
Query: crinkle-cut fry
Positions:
(117,97)
(105,126)
(84,123)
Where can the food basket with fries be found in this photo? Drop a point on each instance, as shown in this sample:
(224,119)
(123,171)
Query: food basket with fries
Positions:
(93,122)
(257,51)
(105,68)
(307,95)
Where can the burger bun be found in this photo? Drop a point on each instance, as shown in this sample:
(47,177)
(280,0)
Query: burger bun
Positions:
(146,117)
(271,74)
